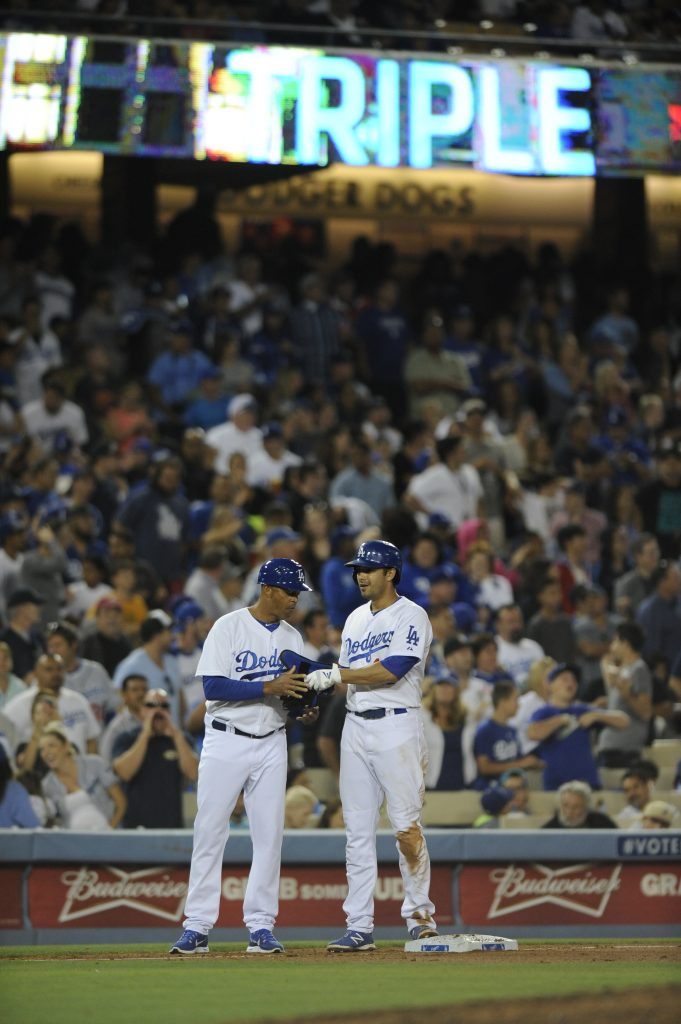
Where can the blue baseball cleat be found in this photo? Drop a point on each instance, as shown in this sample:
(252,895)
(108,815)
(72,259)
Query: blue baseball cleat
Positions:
(352,942)
(263,941)
(423,931)
(191,942)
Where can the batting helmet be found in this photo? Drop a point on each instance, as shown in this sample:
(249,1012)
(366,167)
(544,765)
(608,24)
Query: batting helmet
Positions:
(283,572)
(378,554)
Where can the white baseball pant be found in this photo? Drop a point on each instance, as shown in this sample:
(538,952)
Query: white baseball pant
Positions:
(384,758)
(230,763)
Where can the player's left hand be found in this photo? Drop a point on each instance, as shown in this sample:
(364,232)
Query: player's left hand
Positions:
(310,716)
(323,678)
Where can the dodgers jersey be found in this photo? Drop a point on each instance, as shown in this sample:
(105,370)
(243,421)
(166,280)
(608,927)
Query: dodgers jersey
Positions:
(240,647)
(402,630)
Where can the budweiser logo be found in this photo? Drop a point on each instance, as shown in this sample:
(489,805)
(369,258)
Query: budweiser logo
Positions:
(151,891)
(583,888)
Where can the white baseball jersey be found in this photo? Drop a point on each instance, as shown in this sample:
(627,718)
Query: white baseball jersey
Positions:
(240,647)
(403,629)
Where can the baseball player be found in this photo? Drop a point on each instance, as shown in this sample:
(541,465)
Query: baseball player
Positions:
(245,748)
(384,649)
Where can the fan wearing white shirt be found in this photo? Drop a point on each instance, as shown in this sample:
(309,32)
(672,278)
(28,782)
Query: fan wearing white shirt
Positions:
(75,712)
(267,467)
(516,652)
(240,434)
(248,294)
(53,412)
(451,488)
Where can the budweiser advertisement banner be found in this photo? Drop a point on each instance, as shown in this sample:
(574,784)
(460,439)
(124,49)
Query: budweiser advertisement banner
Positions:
(92,896)
(546,894)
(117,897)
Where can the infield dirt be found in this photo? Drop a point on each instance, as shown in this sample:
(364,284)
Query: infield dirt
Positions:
(552,953)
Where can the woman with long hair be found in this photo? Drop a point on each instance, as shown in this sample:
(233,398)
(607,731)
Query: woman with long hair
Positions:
(84,788)
(44,710)
(444,721)
(535,696)
(491,589)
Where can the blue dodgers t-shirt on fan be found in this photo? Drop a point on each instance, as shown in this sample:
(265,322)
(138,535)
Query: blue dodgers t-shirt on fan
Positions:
(567,753)
(499,742)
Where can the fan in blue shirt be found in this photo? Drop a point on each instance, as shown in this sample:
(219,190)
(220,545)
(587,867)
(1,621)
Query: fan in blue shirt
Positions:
(497,745)
(562,728)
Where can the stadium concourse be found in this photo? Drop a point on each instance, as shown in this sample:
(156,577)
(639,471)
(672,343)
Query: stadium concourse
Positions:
(347,22)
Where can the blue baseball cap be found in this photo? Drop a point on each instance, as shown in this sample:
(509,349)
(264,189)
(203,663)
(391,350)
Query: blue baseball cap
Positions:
(272,429)
(561,667)
(143,444)
(445,676)
(465,616)
(12,522)
(444,572)
(187,611)
(284,573)
(496,798)
(339,534)
(182,326)
(281,533)
(616,417)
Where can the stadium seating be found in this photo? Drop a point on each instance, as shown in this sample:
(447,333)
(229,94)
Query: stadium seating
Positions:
(543,803)
(665,753)
(672,797)
(610,801)
(665,779)
(323,783)
(529,821)
(189,808)
(611,778)
(535,779)
(460,808)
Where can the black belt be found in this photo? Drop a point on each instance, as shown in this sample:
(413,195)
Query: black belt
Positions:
(379,712)
(223,727)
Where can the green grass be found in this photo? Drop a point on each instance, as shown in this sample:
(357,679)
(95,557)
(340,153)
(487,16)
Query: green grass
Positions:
(199,991)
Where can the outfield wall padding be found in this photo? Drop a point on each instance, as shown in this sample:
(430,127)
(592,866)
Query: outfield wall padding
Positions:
(62,886)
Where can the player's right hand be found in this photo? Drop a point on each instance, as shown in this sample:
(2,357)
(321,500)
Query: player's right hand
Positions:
(290,684)
(323,678)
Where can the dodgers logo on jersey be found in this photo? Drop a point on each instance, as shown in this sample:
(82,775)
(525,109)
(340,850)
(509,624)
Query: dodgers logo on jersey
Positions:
(257,664)
(358,650)
(412,637)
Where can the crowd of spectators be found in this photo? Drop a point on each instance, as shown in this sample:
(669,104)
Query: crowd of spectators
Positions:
(171,418)
(418,25)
